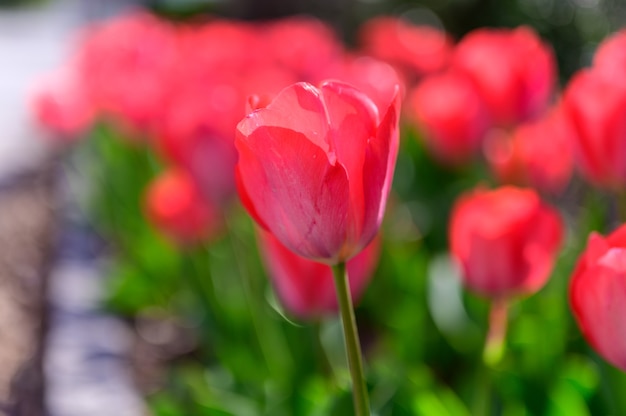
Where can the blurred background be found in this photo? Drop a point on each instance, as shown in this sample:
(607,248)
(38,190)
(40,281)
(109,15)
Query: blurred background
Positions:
(98,311)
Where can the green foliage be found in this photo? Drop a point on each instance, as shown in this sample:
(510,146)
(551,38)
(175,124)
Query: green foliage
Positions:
(422,334)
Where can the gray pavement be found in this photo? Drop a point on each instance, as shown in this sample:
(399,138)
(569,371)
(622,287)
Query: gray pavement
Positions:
(86,369)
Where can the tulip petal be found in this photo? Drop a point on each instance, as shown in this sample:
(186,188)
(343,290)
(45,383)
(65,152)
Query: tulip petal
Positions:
(380,161)
(294,190)
(353,118)
(595,107)
(546,235)
(305,287)
(306,114)
(597,296)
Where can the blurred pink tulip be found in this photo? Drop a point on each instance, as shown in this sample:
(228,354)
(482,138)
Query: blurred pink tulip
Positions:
(451,115)
(536,154)
(413,50)
(306,288)
(122,64)
(598,295)
(302,45)
(506,241)
(596,107)
(514,70)
(610,57)
(175,206)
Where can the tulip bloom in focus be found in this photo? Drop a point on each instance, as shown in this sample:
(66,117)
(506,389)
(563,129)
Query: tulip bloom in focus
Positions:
(305,287)
(375,78)
(598,295)
(315,168)
(176,207)
(505,240)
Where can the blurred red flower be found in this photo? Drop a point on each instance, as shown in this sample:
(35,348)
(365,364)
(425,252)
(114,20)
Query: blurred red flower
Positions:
(536,154)
(122,65)
(315,168)
(512,68)
(610,57)
(596,108)
(221,65)
(306,288)
(176,207)
(302,45)
(451,115)
(413,50)
(505,240)
(598,295)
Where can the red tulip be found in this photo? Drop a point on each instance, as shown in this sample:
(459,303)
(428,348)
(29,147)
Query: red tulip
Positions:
(414,50)
(596,108)
(520,157)
(302,45)
(598,295)
(513,69)
(206,98)
(123,64)
(451,115)
(315,168)
(505,240)
(610,58)
(306,288)
(176,207)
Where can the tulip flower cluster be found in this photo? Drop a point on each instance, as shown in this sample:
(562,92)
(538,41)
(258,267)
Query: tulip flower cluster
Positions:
(495,91)
(306,134)
(483,93)
(181,89)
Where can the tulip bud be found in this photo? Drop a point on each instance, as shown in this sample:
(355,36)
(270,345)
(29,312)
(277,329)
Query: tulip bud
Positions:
(312,45)
(598,295)
(596,107)
(123,64)
(520,157)
(413,50)
(505,240)
(514,71)
(176,207)
(306,288)
(451,115)
(610,58)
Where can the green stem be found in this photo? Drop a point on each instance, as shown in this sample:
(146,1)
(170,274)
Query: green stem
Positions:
(481,402)
(320,353)
(271,339)
(351,337)
(199,281)
(495,342)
